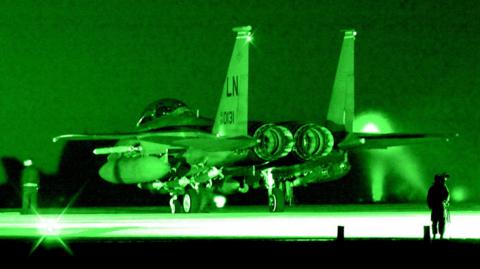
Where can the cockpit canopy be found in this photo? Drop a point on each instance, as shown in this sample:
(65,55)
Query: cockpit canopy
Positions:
(162,108)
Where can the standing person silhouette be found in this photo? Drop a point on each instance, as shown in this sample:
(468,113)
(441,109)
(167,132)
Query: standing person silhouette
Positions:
(30,180)
(438,198)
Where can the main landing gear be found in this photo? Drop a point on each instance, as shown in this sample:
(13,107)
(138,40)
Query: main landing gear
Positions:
(278,192)
(276,200)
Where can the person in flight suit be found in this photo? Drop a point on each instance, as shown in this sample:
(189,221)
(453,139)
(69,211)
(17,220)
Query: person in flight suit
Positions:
(438,198)
(30,180)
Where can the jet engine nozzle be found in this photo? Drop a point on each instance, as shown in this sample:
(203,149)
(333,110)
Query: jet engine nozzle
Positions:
(274,142)
(312,141)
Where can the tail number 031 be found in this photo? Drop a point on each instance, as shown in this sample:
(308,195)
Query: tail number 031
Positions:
(228,117)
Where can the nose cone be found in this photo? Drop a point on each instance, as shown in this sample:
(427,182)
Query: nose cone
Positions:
(107,172)
(134,170)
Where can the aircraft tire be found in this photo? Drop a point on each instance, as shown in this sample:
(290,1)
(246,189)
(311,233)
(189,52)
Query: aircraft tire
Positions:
(191,201)
(175,206)
(276,201)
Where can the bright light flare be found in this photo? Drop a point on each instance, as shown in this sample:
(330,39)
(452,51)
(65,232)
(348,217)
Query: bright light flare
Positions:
(220,201)
(370,128)
(49,227)
(372,122)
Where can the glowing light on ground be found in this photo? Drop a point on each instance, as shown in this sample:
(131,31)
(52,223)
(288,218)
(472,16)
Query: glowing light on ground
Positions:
(370,123)
(49,227)
(377,178)
(383,164)
(459,194)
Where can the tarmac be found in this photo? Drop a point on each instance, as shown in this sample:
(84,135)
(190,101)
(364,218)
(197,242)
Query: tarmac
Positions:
(300,230)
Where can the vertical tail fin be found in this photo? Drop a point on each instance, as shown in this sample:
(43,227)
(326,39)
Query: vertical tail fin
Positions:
(341,109)
(232,114)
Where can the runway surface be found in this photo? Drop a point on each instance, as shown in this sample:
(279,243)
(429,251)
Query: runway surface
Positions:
(303,222)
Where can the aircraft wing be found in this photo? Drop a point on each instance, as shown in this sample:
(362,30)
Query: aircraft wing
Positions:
(379,141)
(85,137)
(198,140)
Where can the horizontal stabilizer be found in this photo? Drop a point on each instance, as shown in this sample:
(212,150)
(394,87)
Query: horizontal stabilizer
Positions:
(379,141)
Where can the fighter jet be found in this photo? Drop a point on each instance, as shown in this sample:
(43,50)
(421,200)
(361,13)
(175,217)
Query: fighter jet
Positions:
(175,151)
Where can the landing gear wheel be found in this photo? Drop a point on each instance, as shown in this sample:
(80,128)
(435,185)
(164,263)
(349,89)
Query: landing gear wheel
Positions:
(175,206)
(191,201)
(276,201)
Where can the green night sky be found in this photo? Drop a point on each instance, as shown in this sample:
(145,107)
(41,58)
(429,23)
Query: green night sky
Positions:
(92,66)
